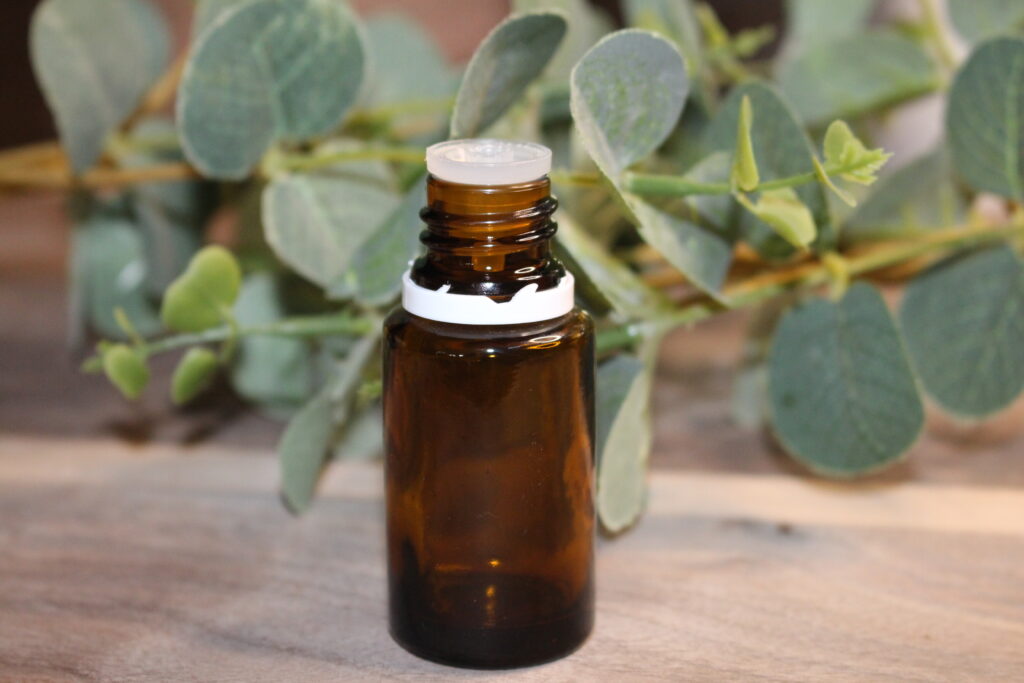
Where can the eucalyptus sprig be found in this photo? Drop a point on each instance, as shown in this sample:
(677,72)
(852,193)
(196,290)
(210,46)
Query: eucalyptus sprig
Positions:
(308,124)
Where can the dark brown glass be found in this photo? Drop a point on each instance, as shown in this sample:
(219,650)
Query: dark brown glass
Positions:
(489,437)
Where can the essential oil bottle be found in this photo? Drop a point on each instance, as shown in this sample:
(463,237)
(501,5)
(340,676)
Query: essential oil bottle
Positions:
(489,422)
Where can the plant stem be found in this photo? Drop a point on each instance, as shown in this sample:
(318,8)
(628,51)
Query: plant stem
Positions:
(308,163)
(760,288)
(60,176)
(575,179)
(934,28)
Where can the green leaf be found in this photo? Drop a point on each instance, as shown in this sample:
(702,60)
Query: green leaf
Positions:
(586,24)
(203,295)
(318,224)
(856,75)
(306,441)
(108,271)
(826,181)
(813,23)
(507,60)
(623,440)
(673,19)
(406,65)
(375,277)
(843,149)
(126,369)
(193,374)
(267,71)
(363,436)
(920,196)
(783,211)
(275,373)
(209,11)
(843,398)
(91,81)
(627,94)
(623,289)
(744,165)
(977,20)
(782,149)
(964,325)
(985,118)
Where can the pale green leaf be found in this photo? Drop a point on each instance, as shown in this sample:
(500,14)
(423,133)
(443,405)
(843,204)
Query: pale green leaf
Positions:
(266,71)
(674,19)
(784,213)
(845,150)
(586,25)
(362,437)
(627,94)
(623,440)
(275,373)
(193,374)
(305,445)
(985,118)
(920,196)
(209,11)
(201,297)
(964,325)
(977,20)
(508,59)
(843,398)
(855,75)
(126,369)
(782,149)
(405,64)
(814,23)
(826,181)
(744,165)
(94,62)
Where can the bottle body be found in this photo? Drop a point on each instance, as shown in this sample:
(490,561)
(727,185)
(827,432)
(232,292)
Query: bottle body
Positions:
(489,476)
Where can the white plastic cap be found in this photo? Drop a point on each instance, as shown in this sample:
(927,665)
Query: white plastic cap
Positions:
(483,161)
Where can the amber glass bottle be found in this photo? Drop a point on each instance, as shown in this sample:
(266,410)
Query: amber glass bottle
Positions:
(489,439)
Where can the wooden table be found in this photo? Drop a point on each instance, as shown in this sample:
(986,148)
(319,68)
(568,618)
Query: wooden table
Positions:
(121,563)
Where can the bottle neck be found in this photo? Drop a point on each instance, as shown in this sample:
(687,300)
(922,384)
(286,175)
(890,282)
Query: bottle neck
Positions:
(488,240)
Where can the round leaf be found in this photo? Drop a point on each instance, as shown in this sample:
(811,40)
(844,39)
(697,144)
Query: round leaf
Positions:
(508,59)
(126,369)
(263,71)
(843,398)
(193,374)
(980,19)
(985,118)
(964,325)
(91,81)
(202,296)
(627,94)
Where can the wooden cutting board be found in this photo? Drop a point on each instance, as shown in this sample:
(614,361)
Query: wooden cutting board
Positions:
(164,563)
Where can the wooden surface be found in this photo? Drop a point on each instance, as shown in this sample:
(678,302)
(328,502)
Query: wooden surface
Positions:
(156,564)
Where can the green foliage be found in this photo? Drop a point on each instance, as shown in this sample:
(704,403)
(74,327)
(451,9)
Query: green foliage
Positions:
(784,213)
(511,56)
(964,325)
(267,71)
(92,83)
(985,118)
(850,76)
(126,369)
(977,20)
(623,440)
(812,23)
(193,374)
(744,165)
(843,397)
(203,295)
(844,150)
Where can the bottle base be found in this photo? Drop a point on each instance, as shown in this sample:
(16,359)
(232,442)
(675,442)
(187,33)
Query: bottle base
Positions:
(483,646)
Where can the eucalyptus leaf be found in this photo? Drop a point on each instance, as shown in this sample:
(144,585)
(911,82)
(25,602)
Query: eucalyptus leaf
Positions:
(209,11)
(586,24)
(855,75)
(744,166)
(964,325)
(623,440)
(92,83)
(265,71)
(193,374)
(318,224)
(782,149)
(920,196)
(813,23)
(627,94)
(126,369)
(275,373)
(305,445)
(108,272)
(375,277)
(508,59)
(985,118)
(843,397)
(674,19)
(977,20)
(363,436)
(406,65)
(201,296)
(783,211)
(621,288)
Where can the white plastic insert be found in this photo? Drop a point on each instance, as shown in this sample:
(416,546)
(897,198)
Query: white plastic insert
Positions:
(526,306)
(484,161)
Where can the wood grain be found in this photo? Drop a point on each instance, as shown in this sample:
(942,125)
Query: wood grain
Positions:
(163,563)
